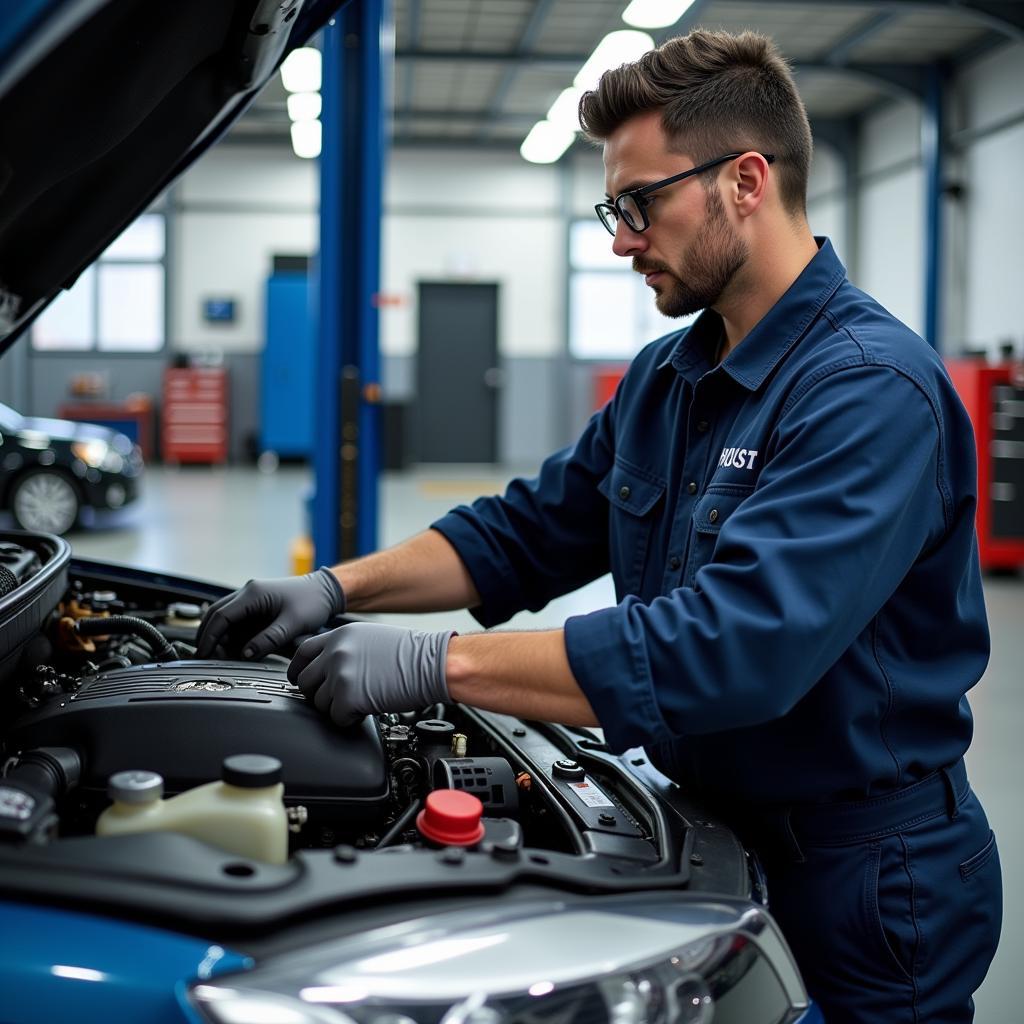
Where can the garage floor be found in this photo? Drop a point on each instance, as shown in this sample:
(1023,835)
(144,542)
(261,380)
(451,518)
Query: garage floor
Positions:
(235,523)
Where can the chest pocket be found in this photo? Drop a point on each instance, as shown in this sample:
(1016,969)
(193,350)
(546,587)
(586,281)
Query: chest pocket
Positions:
(633,496)
(712,511)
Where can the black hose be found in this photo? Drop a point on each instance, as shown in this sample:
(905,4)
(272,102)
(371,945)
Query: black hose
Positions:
(404,819)
(49,770)
(116,625)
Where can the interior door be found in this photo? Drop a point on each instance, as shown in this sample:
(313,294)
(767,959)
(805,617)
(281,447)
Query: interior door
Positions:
(458,376)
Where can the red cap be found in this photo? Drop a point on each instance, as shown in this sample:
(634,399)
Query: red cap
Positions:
(451,817)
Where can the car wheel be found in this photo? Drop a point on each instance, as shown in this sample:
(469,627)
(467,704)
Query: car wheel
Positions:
(45,501)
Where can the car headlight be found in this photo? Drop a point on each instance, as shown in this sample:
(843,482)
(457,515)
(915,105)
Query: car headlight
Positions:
(646,959)
(98,455)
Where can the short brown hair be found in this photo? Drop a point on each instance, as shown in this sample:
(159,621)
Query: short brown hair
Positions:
(718,92)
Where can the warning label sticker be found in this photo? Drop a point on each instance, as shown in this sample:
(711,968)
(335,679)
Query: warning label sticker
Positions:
(590,794)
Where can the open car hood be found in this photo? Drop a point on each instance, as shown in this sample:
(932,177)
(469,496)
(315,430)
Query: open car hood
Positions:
(103,103)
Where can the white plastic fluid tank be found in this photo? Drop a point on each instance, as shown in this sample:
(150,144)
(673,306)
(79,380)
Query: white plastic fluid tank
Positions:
(243,813)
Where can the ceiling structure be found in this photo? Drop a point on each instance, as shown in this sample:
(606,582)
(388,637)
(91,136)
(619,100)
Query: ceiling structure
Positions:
(480,73)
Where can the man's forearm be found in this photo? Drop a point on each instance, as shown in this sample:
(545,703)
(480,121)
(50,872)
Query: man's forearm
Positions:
(422,574)
(521,674)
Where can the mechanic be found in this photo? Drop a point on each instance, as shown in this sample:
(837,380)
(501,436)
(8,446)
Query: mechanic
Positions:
(785,496)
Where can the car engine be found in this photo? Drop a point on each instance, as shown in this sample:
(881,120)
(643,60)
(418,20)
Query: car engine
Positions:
(98,676)
(181,719)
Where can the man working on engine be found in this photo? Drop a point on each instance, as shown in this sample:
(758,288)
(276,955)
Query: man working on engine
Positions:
(784,495)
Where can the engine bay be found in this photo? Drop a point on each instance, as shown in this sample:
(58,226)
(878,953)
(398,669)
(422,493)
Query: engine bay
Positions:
(98,677)
(109,684)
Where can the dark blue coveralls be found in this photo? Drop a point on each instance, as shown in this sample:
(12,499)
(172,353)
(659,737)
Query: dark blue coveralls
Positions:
(800,614)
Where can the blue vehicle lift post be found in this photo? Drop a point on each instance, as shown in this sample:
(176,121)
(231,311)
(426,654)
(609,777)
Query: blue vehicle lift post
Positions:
(346,451)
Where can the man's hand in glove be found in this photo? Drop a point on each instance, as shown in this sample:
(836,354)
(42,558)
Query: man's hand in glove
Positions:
(265,614)
(369,668)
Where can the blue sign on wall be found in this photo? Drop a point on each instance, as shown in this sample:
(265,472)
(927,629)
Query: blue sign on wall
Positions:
(219,311)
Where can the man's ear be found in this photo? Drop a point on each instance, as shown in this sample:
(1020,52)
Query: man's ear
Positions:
(748,183)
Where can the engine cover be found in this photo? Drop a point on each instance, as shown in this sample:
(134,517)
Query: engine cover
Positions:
(182,719)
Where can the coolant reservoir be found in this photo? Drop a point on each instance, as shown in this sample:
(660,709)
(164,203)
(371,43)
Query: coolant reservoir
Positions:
(243,813)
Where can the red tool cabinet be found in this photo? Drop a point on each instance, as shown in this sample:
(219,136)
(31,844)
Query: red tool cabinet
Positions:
(994,398)
(194,415)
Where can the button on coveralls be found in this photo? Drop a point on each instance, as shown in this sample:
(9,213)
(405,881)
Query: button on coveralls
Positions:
(799,617)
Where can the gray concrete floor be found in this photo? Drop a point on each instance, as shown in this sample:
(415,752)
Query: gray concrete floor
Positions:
(230,524)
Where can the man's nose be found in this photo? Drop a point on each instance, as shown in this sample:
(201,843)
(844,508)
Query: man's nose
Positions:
(627,242)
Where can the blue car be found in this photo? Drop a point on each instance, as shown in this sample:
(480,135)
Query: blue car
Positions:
(188,840)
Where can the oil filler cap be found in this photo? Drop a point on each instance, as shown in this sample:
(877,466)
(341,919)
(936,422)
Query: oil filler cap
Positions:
(451,817)
(251,771)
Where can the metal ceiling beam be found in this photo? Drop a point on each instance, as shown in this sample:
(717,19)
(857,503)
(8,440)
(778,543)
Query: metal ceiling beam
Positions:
(1006,16)
(988,42)
(275,117)
(904,77)
(860,35)
(481,116)
(492,57)
(908,80)
(529,36)
(903,81)
(461,142)
(399,140)
(896,79)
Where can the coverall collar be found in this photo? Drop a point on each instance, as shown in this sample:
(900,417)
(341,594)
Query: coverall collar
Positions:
(750,363)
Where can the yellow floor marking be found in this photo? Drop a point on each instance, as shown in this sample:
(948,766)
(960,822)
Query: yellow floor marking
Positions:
(457,488)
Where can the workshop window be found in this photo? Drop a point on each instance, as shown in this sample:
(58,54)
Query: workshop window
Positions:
(117,304)
(612,314)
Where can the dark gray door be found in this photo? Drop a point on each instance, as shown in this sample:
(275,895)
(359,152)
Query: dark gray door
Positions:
(457,373)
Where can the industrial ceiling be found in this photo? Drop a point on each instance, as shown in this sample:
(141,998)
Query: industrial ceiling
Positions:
(480,73)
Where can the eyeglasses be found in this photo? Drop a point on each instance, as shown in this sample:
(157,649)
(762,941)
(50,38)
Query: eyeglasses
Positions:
(632,206)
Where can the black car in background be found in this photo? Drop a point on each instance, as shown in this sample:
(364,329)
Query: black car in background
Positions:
(51,469)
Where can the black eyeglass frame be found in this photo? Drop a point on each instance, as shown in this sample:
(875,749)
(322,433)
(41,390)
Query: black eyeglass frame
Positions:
(615,211)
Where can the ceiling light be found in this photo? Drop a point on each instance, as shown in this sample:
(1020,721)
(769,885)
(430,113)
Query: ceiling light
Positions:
(565,111)
(300,71)
(546,143)
(306,139)
(655,13)
(616,48)
(304,106)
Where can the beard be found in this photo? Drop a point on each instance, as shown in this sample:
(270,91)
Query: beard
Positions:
(714,259)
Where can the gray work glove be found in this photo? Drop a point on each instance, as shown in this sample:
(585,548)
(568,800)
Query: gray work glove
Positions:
(368,668)
(265,614)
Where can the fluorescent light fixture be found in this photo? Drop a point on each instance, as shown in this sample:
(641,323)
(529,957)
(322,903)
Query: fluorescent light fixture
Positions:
(565,111)
(304,106)
(616,48)
(300,71)
(306,139)
(655,13)
(546,143)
